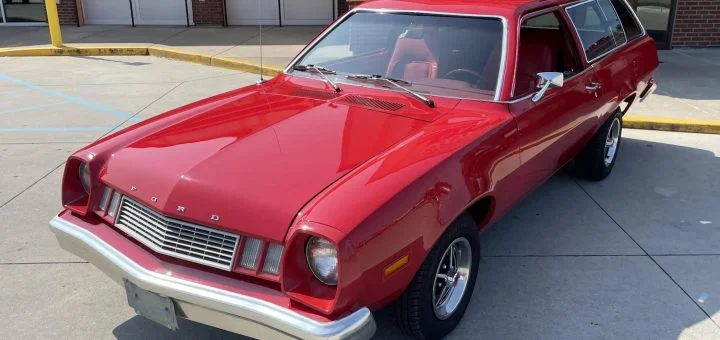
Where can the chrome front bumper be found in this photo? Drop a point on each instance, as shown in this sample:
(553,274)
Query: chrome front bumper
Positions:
(209,305)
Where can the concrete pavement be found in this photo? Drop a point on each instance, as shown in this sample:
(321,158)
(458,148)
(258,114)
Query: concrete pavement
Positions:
(636,256)
(687,85)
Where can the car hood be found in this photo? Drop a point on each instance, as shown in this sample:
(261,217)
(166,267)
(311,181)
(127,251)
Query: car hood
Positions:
(253,161)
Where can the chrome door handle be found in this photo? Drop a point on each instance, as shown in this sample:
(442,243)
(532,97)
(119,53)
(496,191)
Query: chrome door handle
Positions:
(593,86)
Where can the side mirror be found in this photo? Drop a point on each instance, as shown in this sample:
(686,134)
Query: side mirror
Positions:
(546,80)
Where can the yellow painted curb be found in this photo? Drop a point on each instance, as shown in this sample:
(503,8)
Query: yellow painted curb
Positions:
(672,124)
(41,51)
(192,57)
(245,66)
(156,51)
(206,59)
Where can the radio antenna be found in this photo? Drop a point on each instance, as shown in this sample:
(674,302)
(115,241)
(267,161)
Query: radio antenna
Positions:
(262,78)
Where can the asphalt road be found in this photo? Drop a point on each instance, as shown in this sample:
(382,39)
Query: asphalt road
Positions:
(636,256)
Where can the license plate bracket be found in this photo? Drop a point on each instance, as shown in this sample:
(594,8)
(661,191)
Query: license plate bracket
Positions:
(153,306)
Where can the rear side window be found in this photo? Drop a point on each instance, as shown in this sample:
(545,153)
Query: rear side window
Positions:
(631,26)
(597,35)
(613,22)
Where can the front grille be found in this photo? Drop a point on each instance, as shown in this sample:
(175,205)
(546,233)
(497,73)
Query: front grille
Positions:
(176,238)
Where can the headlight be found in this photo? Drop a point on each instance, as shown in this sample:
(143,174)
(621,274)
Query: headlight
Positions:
(84,172)
(322,259)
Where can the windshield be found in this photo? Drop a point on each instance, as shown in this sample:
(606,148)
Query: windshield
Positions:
(436,55)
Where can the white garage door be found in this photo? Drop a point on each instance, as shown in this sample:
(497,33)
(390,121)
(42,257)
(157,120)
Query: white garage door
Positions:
(161,12)
(267,12)
(146,12)
(307,12)
(253,12)
(106,12)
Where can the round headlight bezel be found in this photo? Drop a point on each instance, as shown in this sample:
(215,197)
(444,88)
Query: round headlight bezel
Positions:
(84,176)
(312,246)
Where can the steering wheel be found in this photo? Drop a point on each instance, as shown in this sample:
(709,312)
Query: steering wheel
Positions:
(464,74)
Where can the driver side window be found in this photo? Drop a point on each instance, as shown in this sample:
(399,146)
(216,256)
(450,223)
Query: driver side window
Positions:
(545,45)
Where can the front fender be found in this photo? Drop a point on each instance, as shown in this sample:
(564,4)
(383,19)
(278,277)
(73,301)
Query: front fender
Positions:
(401,202)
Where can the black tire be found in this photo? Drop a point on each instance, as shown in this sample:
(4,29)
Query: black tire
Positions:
(591,163)
(414,310)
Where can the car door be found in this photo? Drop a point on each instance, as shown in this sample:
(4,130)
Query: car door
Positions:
(553,129)
(616,69)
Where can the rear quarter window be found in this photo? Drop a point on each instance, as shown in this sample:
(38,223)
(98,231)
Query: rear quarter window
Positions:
(630,24)
(599,32)
(613,22)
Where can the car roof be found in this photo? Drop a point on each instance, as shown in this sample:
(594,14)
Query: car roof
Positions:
(505,8)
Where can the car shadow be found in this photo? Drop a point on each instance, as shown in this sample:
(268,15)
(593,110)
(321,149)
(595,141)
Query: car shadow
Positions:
(139,327)
(583,296)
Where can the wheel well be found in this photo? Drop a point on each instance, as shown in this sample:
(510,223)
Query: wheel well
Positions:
(481,210)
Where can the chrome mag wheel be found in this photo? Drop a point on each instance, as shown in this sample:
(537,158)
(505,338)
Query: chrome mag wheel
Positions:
(611,141)
(451,278)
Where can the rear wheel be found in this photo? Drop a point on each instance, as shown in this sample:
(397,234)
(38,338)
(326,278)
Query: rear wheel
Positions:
(596,160)
(436,299)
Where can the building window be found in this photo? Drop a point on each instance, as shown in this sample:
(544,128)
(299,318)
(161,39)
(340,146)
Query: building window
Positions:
(18,11)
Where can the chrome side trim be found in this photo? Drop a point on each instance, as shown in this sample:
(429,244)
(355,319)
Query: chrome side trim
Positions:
(503,56)
(206,304)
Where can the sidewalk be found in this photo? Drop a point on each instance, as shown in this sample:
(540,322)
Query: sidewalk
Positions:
(688,86)
(687,78)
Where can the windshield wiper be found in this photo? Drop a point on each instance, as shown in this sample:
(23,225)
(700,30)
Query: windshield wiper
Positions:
(321,71)
(395,82)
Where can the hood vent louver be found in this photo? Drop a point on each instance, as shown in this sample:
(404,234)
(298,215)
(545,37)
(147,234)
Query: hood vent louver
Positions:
(372,103)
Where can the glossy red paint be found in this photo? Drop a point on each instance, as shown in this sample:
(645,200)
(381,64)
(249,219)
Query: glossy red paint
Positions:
(289,158)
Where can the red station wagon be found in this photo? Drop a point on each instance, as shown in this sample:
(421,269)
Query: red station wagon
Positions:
(359,176)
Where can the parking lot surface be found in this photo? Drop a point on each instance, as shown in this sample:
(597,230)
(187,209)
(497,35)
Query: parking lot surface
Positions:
(636,256)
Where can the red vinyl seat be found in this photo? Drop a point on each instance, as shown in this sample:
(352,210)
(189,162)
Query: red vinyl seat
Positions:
(488,81)
(412,60)
(534,56)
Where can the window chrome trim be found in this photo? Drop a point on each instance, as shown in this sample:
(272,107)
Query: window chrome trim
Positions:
(503,56)
(577,33)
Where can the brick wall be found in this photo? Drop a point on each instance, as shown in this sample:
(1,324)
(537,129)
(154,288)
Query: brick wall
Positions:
(208,12)
(697,23)
(67,12)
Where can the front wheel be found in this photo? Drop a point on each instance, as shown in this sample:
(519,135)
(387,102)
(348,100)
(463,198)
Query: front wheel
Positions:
(596,160)
(436,299)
